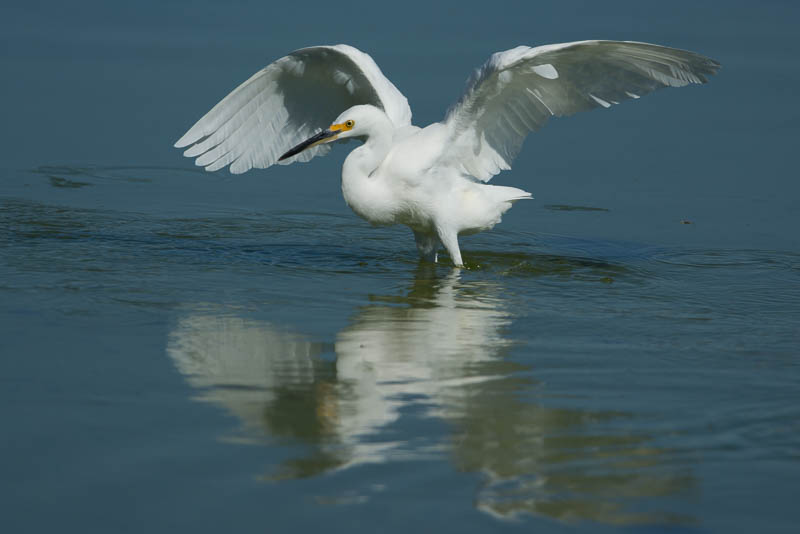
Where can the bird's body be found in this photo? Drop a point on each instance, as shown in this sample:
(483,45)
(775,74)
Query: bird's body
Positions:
(393,179)
(430,179)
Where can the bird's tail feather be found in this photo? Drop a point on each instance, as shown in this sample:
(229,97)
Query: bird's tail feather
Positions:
(510,194)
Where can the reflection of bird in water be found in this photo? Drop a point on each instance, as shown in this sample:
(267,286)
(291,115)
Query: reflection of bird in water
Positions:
(430,179)
(435,352)
(428,345)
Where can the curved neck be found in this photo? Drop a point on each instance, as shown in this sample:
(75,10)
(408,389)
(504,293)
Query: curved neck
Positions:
(368,157)
(364,190)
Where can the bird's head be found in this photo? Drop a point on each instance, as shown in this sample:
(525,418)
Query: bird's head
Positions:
(355,122)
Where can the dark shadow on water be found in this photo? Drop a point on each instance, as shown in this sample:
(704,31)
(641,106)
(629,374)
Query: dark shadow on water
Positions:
(439,351)
(566,207)
(64,175)
(517,264)
(58,181)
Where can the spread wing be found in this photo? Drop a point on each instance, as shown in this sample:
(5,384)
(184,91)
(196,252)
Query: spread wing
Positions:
(516,91)
(285,103)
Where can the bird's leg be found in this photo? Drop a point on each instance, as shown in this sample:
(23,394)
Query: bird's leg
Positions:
(450,242)
(428,246)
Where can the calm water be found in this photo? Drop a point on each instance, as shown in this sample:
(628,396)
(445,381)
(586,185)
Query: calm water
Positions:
(183,351)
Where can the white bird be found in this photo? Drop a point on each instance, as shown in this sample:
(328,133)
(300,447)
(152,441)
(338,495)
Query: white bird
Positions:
(430,179)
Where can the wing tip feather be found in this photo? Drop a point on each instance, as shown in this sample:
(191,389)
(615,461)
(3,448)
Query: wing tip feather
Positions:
(187,139)
(182,142)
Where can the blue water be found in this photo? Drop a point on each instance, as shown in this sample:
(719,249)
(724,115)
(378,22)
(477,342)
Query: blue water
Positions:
(190,351)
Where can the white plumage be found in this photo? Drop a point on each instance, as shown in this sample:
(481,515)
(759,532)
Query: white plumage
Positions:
(427,178)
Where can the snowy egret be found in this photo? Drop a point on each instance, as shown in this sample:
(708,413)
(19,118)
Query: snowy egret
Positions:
(430,179)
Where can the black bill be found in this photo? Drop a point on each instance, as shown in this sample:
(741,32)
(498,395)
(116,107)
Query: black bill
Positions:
(311,141)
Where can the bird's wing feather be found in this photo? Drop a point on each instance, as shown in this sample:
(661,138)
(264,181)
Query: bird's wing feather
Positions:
(516,91)
(285,103)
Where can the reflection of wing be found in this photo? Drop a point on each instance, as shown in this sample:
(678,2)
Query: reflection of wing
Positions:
(239,363)
(285,103)
(219,351)
(516,91)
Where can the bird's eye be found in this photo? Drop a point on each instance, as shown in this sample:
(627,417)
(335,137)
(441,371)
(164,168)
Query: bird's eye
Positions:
(349,124)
